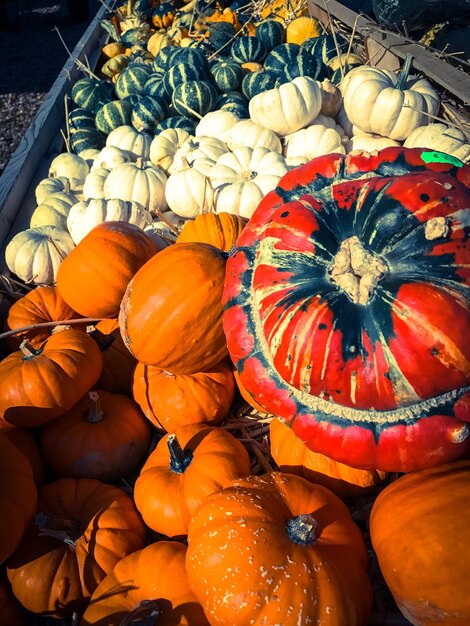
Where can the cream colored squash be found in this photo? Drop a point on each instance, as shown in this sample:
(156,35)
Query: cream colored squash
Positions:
(128,138)
(137,182)
(369,143)
(111,156)
(50,185)
(93,187)
(243,177)
(84,216)
(158,41)
(331,98)
(89,154)
(165,145)
(195,148)
(289,107)
(382,103)
(311,142)
(53,211)
(188,190)
(70,166)
(34,255)
(439,136)
(217,124)
(249,134)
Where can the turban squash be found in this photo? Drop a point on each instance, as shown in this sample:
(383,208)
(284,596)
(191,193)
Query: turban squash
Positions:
(346,310)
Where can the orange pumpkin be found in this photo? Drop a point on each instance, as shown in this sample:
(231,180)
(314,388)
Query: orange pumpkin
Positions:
(151,579)
(420,531)
(39,385)
(11,611)
(43,304)
(103,436)
(246,395)
(219,229)
(276,549)
(185,467)
(170,400)
(18,497)
(82,529)
(171,313)
(24,440)
(293,457)
(118,362)
(93,278)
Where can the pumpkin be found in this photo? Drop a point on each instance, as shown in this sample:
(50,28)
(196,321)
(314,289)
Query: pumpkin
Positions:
(165,284)
(170,401)
(158,41)
(186,467)
(234,102)
(181,73)
(24,439)
(302,28)
(271,33)
(400,14)
(82,528)
(379,102)
(139,182)
(217,124)
(163,15)
(313,141)
(194,98)
(248,49)
(18,497)
(90,93)
(176,121)
(220,230)
(164,146)
(94,288)
(331,99)
(43,304)
(441,137)
(132,79)
(35,254)
(148,112)
(293,456)
(243,177)
(53,211)
(85,139)
(249,134)
(51,185)
(419,527)
(113,115)
(336,345)
(93,187)
(368,142)
(103,436)
(150,583)
(195,148)
(128,138)
(11,611)
(39,385)
(109,158)
(276,549)
(288,108)
(188,191)
(115,65)
(258,81)
(247,396)
(227,75)
(118,362)
(69,166)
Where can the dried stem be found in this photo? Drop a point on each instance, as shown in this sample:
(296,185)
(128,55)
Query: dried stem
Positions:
(24,329)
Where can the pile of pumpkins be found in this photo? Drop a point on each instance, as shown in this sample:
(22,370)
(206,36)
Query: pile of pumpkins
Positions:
(125,496)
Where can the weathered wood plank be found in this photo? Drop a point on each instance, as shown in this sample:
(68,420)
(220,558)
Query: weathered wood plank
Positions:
(42,141)
(452,79)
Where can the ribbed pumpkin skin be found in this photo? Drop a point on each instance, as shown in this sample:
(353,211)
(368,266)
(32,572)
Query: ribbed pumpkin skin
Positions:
(155,572)
(243,567)
(132,79)
(420,531)
(293,457)
(52,577)
(271,33)
(90,94)
(348,375)
(24,439)
(94,279)
(194,95)
(11,611)
(171,401)
(177,295)
(219,229)
(246,49)
(112,115)
(256,82)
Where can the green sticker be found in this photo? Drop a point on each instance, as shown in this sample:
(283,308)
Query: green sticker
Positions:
(440,157)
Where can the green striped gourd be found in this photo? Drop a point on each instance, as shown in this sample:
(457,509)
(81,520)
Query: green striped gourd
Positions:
(233,101)
(163,59)
(132,79)
(163,15)
(176,121)
(247,49)
(271,33)
(86,139)
(133,98)
(154,86)
(221,36)
(324,47)
(193,56)
(138,35)
(112,115)
(81,118)
(256,82)
(148,113)
(194,98)
(89,93)
(289,61)
(140,54)
(227,75)
(181,73)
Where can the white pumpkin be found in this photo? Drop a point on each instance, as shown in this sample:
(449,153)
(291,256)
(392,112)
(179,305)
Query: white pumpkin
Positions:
(249,134)
(53,211)
(217,124)
(243,177)
(331,98)
(369,143)
(289,107)
(311,142)
(165,145)
(89,154)
(439,136)
(84,216)
(34,255)
(189,191)
(137,182)
(343,120)
(382,103)
(70,166)
(199,148)
(93,187)
(50,185)
(128,138)
(111,156)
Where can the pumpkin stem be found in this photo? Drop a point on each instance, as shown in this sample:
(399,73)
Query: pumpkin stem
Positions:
(66,530)
(301,529)
(95,412)
(146,613)
(403,76)
(23,329)
(104,341)
(28,350)
(179,458)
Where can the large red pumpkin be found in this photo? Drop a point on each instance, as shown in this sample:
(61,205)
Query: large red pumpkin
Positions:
(346,310)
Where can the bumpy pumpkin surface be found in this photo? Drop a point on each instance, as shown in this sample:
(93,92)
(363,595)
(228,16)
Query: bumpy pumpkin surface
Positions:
(346,310)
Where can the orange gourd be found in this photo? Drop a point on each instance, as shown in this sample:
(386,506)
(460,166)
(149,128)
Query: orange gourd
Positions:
(246,395)
(219,229)
(171,313)
(11,611)
(25,441)
(39,385)
(93,278)
(293,456)
(103,436)
(185,467)
(170,401)
(82,529)
(420,531)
